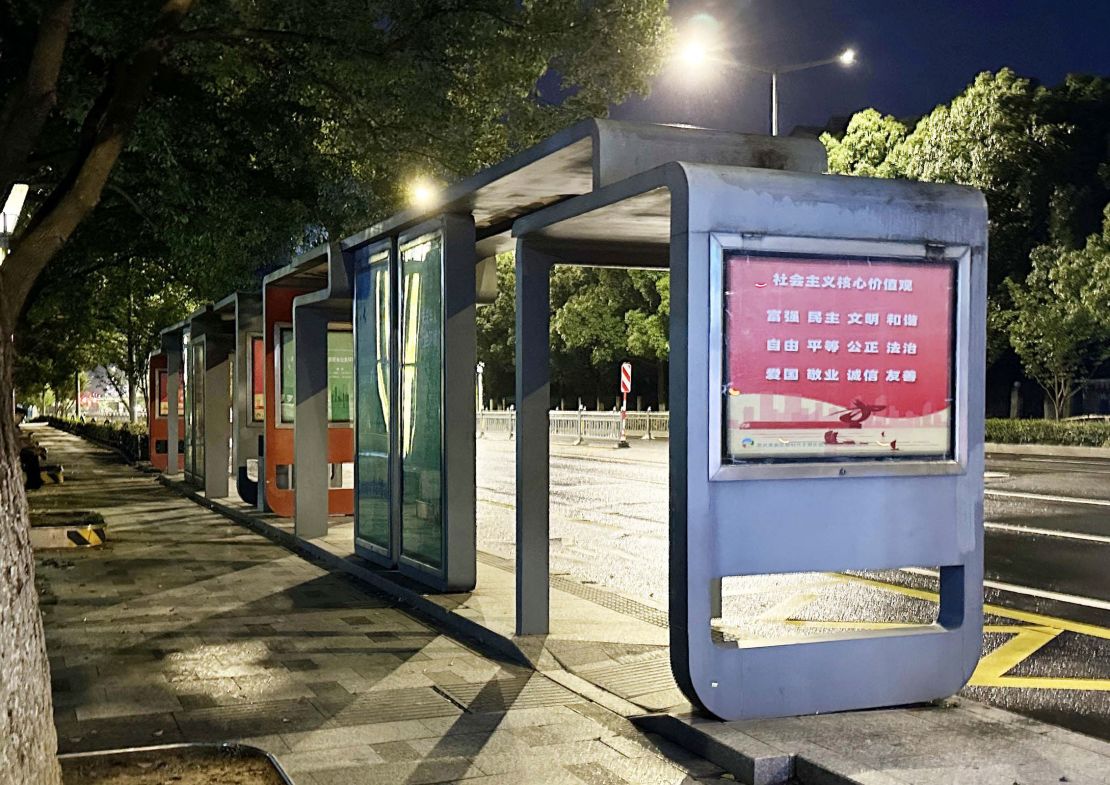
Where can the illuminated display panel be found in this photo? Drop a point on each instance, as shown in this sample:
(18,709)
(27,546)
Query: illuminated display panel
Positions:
(258,390)
(163,394)
(834,358)
(340,369)
(341,375)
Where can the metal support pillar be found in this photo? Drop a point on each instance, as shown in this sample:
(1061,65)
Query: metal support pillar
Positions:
(310,428)
(246,432)
(217,405)
(533,399)
(460,354)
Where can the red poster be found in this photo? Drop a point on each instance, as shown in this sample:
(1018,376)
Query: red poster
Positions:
(258,394)
(837,357)
(163,401)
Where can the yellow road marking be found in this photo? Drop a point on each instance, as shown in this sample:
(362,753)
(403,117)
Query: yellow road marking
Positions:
(855,625)
(994,610)
(1028,638)
(783,609)
(1026,641)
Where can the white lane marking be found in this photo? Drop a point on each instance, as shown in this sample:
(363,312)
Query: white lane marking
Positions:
(1071,599)
(1098,462)
(1044,497)
(1006,527)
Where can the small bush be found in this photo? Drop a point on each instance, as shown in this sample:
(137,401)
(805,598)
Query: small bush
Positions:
(130,439)
(1072,433)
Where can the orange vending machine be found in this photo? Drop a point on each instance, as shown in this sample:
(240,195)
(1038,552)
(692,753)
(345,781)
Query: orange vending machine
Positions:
(157,415)
(280,388)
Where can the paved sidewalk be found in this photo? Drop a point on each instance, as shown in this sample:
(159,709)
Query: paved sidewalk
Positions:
(187,627)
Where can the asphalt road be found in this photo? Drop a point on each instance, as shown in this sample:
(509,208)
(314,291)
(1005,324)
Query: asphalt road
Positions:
(1047,559)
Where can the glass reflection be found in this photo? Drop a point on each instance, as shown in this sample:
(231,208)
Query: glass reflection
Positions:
(422,400)
(372,293)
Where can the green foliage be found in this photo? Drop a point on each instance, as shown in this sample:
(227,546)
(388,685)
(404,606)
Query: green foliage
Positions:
(1060,327)
(866,146)
(129,439)
(275,125)
(599,317)
(1041,156)
(1077,433)
(496,325)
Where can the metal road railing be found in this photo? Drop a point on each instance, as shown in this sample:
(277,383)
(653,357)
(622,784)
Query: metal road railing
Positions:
(579,427)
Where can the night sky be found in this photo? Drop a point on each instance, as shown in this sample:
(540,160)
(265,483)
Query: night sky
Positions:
(914,54)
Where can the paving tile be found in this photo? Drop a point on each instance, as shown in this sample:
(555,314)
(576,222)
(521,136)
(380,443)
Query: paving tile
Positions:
(340,737)
(191,628)
(409,773)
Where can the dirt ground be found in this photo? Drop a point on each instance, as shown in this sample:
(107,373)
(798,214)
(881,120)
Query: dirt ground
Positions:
(171,767)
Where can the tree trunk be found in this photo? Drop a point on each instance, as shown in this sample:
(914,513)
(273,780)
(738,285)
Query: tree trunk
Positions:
(661,385)
(29,746)
(131,400)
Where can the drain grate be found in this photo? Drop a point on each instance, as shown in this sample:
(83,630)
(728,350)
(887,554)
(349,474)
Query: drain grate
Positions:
(522,692)
(598,596)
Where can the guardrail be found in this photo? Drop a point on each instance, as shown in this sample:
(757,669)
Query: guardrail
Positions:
(579,427)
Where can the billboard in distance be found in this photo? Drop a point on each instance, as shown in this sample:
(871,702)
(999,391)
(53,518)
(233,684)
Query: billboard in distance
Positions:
(837,357)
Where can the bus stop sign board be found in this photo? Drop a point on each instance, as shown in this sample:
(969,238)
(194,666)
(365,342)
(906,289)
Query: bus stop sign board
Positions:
(827,339)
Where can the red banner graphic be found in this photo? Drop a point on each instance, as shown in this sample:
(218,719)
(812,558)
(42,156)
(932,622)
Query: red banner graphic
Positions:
(838,344)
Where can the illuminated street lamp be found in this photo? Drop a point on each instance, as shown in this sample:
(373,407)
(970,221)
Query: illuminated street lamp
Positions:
(422,194)
(696,55)
(9,216)
(847,58)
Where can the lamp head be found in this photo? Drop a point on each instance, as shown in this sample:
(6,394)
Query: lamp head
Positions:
(422,193)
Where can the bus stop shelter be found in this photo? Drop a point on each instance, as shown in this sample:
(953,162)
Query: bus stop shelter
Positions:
(752,491)
(780,395)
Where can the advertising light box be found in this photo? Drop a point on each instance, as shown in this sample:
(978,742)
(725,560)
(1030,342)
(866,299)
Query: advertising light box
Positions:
(837,358)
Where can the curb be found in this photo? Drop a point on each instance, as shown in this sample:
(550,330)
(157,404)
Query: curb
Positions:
(63,536)
(756,762)
(750,760)
(1060,450)
(411,600)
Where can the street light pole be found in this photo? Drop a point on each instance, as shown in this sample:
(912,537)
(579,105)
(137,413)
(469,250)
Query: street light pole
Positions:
(696,57)
(774,103)
(845,58)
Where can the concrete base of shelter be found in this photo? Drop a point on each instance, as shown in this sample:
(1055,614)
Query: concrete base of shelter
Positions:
(612,650)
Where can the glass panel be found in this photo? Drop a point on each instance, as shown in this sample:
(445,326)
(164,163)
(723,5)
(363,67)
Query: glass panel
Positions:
(258,392)
(422,400)
(341,381)
(187,383)
(287,383)
(197,355)
(372,296)
(163,395)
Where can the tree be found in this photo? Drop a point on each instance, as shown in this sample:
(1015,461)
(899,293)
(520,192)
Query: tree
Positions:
(496,324)
(649,325)
(1039,154)
(1059,326)
(866,146)
(609,316)
(227,134)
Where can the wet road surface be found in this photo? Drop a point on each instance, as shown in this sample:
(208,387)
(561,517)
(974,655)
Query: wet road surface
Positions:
(1047,553)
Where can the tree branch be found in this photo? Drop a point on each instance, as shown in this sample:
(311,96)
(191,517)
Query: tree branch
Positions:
(80,191)
(27,108)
